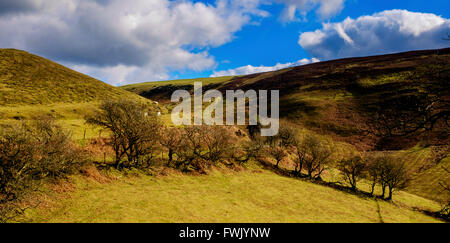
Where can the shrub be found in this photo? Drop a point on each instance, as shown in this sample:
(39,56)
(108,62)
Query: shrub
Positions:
(134,128)
(203,146)
(30,152)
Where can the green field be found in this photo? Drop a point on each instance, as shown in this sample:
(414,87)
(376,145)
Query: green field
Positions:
(253,195)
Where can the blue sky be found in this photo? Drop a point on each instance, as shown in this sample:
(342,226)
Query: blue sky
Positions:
(122,42)
(271,42)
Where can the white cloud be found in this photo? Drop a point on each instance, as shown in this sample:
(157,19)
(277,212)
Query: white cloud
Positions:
(385,32)
(137,40)
(123,41)
(249,69)
(324,8)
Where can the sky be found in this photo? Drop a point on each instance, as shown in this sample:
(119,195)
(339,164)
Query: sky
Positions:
(130,41)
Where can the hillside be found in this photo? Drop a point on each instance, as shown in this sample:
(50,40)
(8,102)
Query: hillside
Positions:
(31,85)
(340,98)
(27,79)
(336,97)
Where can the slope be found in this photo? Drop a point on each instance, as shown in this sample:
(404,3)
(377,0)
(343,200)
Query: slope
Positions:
(27,79)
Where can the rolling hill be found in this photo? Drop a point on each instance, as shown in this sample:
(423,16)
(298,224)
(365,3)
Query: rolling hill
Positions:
(337,99)
(334,97)
(27,79)
(326,98)
(31,85)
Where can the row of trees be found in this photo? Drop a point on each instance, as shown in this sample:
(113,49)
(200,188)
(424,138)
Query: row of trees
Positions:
(383,170)
(30,152)
(309,152)
(137,135)
(312,154)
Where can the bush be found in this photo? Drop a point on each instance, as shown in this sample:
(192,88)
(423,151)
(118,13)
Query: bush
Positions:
(203,146)
(30,152)
(134,128)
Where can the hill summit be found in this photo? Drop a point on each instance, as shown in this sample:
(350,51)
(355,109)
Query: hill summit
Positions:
(27,79)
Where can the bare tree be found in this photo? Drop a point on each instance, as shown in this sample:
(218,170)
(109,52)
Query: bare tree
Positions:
(134,128)
(170,138)
(248,150)
(352,169)
(204,146)
(373,173)
(313,154)
(278,153)
(389,172)
(397,177)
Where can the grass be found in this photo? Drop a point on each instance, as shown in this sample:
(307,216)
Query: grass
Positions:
(251,196)
(68,115)
(27,79)
(140,87)
(31,85)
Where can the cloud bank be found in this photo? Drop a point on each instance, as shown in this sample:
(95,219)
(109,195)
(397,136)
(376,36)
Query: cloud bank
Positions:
(141,39)
(385,32)
(249,69)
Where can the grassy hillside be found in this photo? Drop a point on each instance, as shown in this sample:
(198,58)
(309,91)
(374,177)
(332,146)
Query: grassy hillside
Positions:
(334,98)
(254,195)
(31,85)
(316,97)
(27,79)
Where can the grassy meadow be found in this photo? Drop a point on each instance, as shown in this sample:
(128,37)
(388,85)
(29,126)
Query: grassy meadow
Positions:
(252,195)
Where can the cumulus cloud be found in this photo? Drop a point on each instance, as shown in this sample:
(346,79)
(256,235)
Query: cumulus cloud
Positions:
(324,8)
(142,40)
(385,32)
(249,69)
(137,40)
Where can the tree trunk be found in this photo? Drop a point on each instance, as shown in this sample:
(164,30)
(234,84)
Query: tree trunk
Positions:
(170,156)
(383,191)
(373,187)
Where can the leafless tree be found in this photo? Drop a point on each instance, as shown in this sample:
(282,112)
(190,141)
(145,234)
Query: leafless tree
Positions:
(389,172)
(397,177)
(170,138)
(278,153)
(314,154)
(134,128)
(203,146)
(352,169)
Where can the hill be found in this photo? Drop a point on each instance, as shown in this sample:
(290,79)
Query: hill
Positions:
(31,85)
(337,97)
(27,79)
(342,99)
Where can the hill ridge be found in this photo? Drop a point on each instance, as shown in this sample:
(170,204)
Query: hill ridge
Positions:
(28,79)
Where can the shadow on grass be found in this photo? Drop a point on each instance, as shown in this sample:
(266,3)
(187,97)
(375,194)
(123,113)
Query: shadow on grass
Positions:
(346,189)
